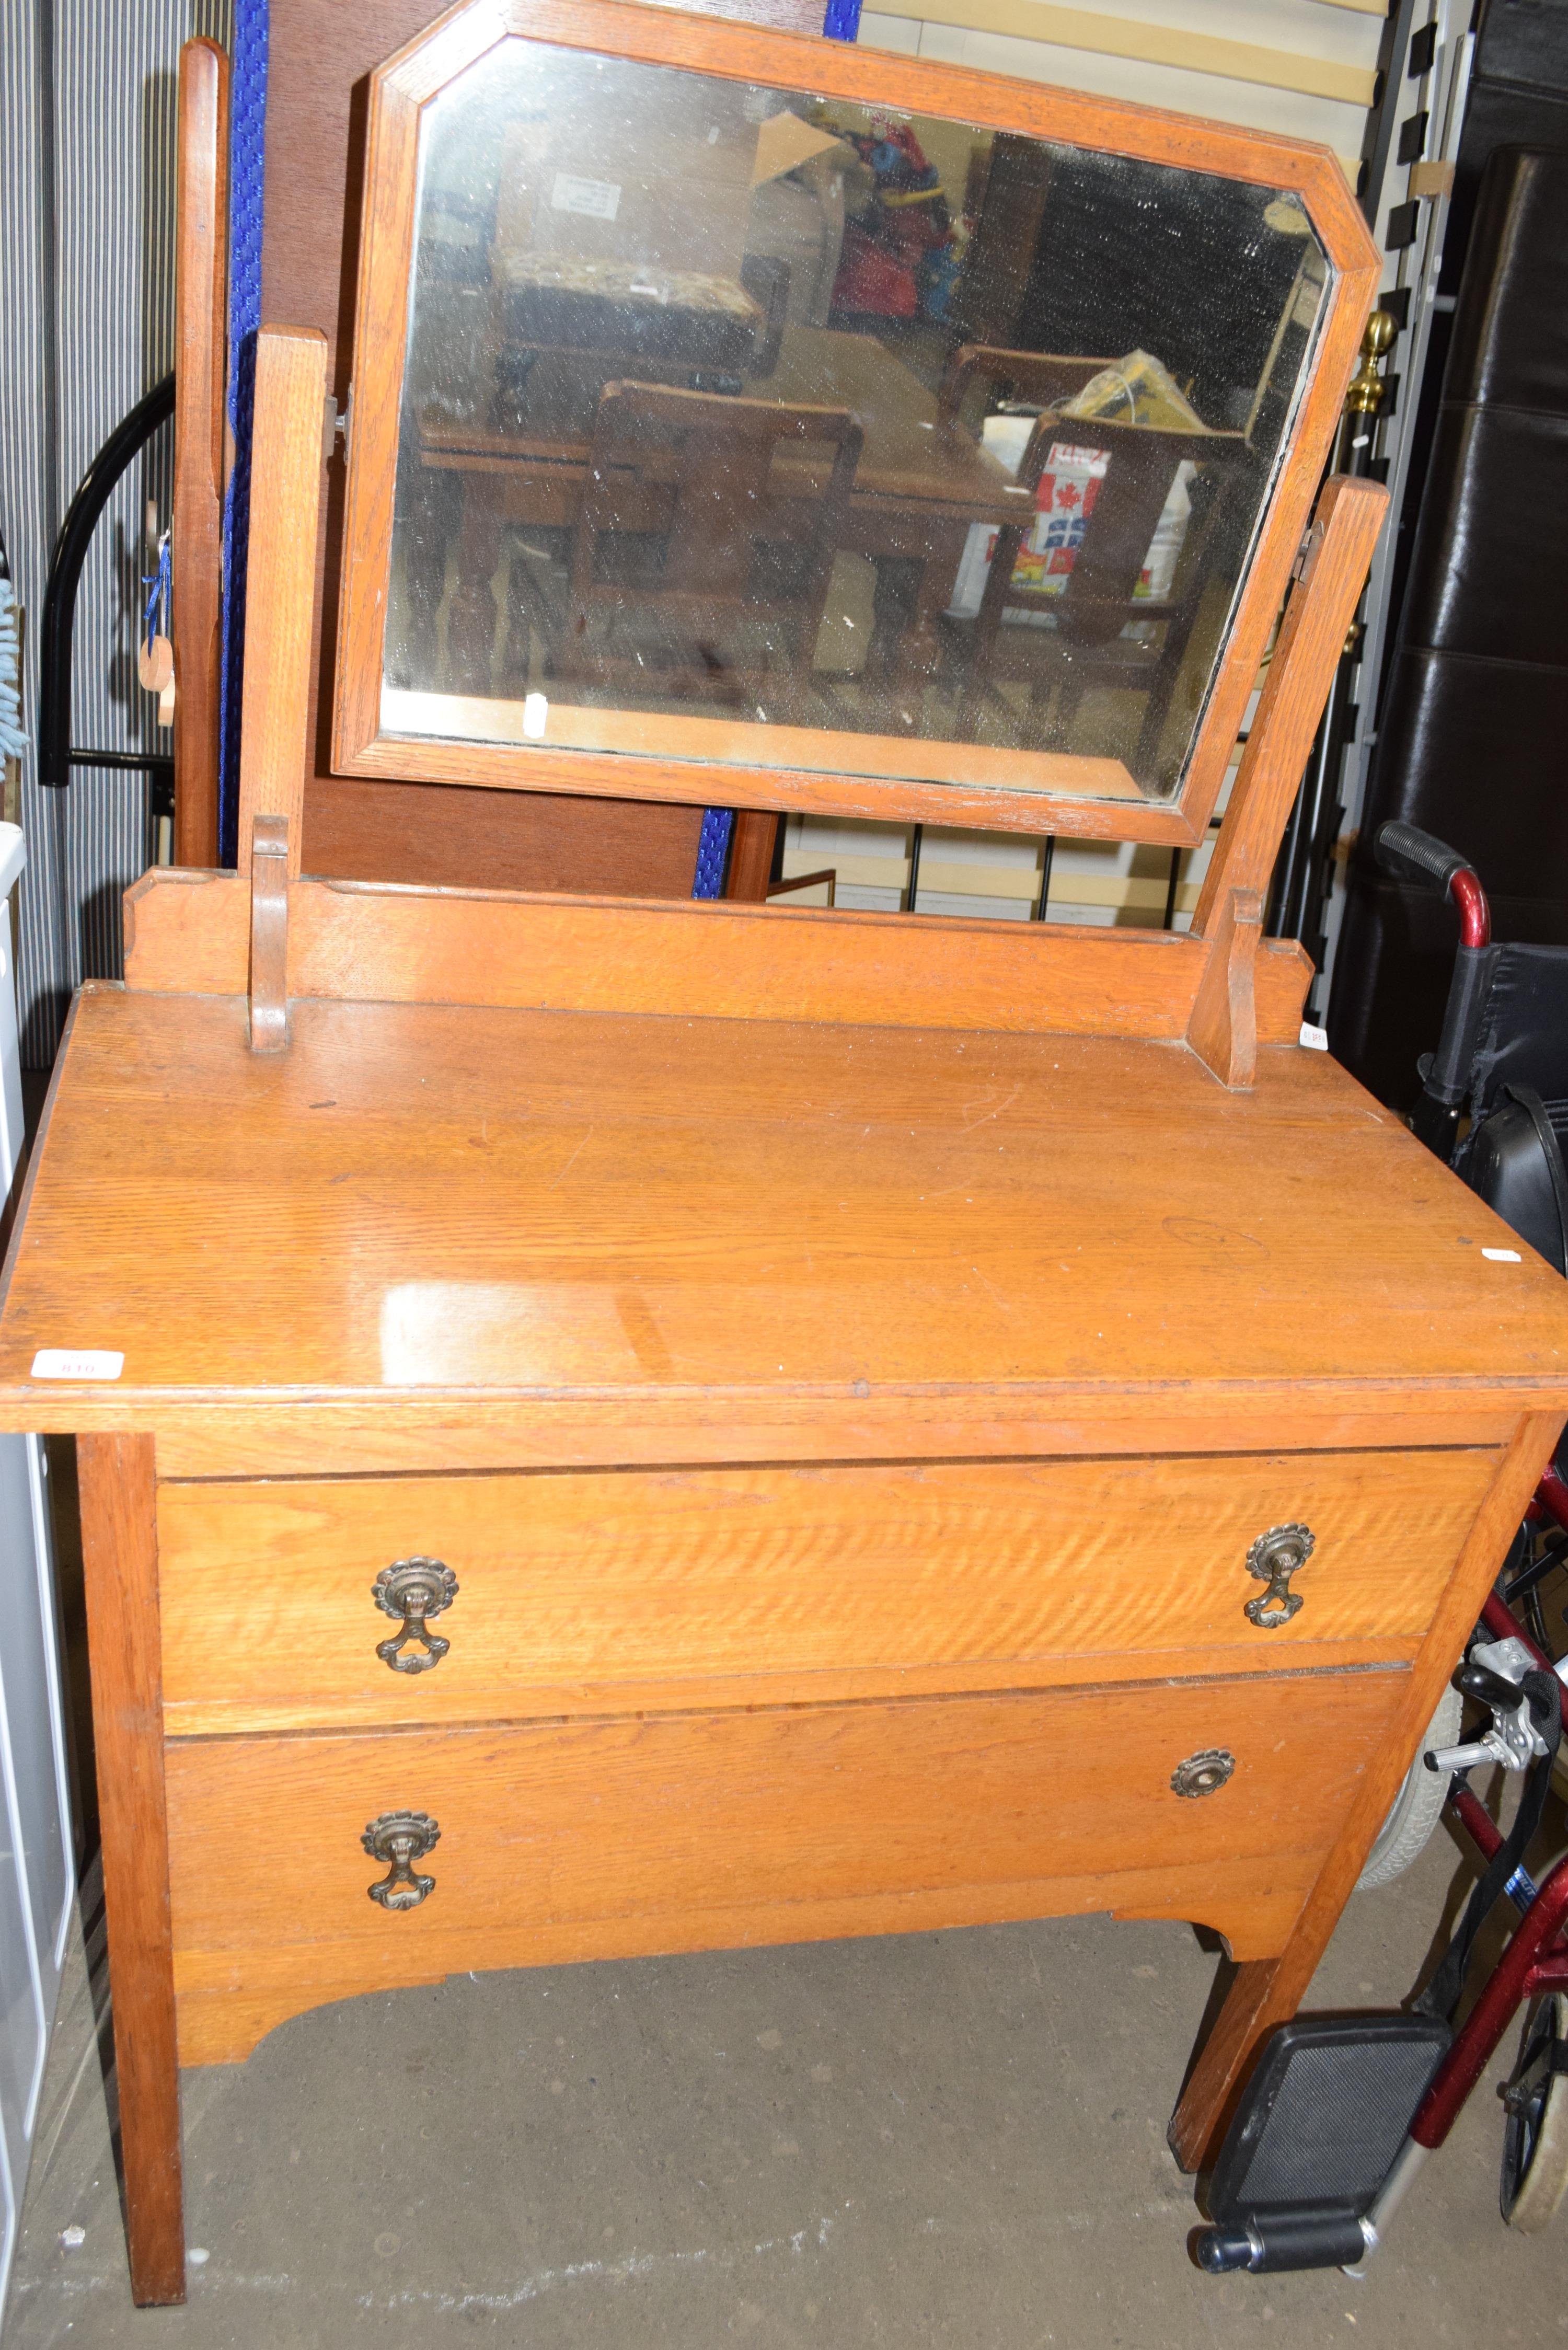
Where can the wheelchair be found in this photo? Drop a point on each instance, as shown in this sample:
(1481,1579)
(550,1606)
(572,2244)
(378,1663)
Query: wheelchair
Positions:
(1340,2112)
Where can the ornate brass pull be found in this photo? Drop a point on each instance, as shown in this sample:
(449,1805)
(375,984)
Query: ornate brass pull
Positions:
(414,1589)
(1274,1559)
(400,1838)
(1204,1773)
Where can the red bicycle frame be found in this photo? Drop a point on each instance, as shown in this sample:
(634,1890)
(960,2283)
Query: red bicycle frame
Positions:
(1536,1958)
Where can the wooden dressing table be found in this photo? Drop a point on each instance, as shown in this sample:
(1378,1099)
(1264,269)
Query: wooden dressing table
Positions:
(612,1428)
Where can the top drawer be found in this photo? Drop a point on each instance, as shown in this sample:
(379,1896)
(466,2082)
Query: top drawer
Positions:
(593,1592)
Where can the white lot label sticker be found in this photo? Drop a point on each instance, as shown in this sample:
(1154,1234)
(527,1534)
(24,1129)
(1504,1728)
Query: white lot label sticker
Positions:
(75,1363)
(1314,1039)
(600,199)
(1502,1256)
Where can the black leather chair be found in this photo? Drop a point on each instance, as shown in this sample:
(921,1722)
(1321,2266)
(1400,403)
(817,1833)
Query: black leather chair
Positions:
(1473,728)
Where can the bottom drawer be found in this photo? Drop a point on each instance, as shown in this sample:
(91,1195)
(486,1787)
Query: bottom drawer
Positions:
(613,1837)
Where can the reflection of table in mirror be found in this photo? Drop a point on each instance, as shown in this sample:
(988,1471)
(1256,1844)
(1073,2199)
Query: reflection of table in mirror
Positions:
(919,485)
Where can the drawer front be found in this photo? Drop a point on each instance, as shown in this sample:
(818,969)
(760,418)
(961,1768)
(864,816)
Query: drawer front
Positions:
(577,1592)
(592,1839)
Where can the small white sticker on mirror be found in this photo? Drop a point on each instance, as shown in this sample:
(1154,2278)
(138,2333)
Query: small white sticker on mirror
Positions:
(1314,1039)
(1502,1256)
(77,1362)
(599,199)
(536,710)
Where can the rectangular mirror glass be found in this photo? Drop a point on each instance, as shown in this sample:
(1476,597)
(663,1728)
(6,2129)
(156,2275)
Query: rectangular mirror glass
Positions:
(739,424)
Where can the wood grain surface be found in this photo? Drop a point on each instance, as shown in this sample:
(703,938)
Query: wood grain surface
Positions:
(1223,1028)
(196,530)
(772,1825)
(418,1211)
(269,934)
(120,1561)
(752,857)
(285,491)
(1295,692)
(582,1593)
(188,933)
(1267,1992)
(443,835)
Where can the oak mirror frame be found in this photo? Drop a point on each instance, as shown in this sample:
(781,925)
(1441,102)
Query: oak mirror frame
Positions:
(530,329)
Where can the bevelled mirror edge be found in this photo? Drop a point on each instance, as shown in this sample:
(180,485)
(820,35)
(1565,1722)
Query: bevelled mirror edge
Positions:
(1067,799)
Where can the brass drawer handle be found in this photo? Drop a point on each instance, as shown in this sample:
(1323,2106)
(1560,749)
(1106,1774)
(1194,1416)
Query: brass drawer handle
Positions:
(1203,1774)
(413,1589)
(400,1838)
(1274,1558)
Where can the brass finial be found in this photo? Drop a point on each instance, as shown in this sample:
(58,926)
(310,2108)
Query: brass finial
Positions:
(1364,397)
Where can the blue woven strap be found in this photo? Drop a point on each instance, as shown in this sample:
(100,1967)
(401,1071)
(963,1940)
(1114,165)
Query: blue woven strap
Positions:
(247,161)
(712,852)
(842,23)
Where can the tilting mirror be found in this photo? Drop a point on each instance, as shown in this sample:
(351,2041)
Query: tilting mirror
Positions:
(753,425)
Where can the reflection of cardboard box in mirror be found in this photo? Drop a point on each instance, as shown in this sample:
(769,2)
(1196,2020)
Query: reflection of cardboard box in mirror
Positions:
(625,307)
(784,142)
(797,218)
(670,188)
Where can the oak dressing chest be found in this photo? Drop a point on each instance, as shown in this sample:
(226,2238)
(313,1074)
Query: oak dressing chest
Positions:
(611,1427)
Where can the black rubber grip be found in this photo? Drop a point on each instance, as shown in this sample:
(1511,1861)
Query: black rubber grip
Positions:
(1411,855)
(1488,1688)
(1303,2236)
(1221,2250)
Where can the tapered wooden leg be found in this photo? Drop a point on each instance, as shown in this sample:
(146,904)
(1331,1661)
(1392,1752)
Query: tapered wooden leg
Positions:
(1266,1992)
(119,1556)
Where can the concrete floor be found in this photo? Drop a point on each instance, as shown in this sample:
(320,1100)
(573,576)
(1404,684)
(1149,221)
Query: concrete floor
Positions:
(955,2138)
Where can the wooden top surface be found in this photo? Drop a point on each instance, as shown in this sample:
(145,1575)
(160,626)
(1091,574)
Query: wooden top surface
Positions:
(910,452)
(420,1204)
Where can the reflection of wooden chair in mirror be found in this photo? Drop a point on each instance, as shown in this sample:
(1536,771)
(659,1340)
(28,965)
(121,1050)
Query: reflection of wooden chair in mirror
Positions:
(1082,642)
(697,568)
(978,376)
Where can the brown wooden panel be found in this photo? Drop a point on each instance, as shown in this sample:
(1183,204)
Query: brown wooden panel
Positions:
(267,1439)
(580,1593)
(450,835)
(196,528)
(752,857)
(290,399)
(434,1215)
(1311,644)
(776,1825)
(188,932)
(120,1560)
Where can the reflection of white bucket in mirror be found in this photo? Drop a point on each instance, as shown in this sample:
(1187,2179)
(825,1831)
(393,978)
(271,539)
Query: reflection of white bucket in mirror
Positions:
(1068,486)
(1158,574)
